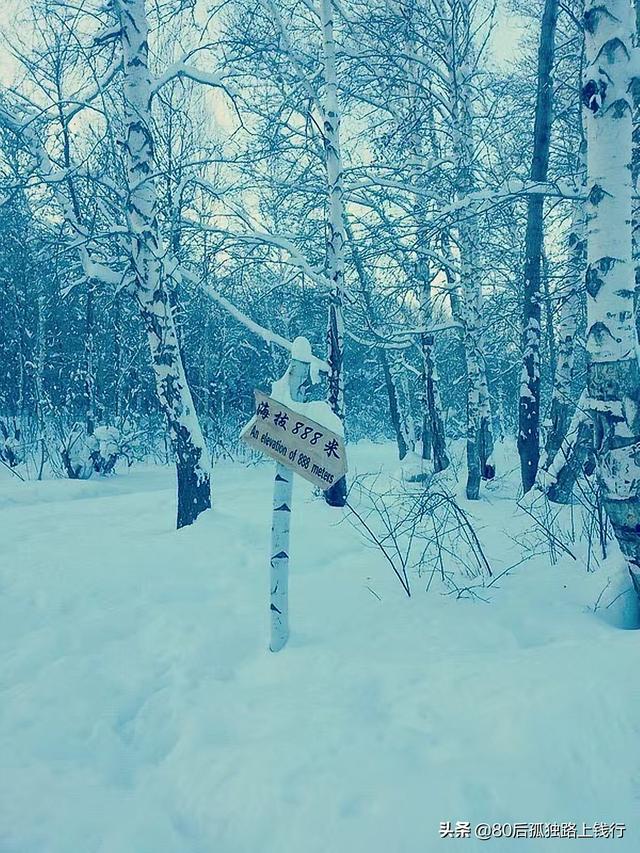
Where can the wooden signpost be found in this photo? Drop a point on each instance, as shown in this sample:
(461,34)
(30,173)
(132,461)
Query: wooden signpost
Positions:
(301,445)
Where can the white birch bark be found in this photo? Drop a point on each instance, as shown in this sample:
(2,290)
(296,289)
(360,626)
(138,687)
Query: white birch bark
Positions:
(550,474)
(421,120)
(487,462)
(150,276)
(41,353)
(573,458)
(434,445)
(561,398)
(613,375)
(298,377)
(479,432)
(529,404)
(403,395)
(337,494)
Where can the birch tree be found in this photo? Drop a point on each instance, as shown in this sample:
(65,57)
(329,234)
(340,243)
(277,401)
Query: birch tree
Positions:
(337,494)
(460,67)
(613,381)
(529,409)
(570,309)
(150,272)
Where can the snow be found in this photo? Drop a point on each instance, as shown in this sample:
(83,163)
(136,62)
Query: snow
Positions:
(142,712)
(314,410)
(301,349)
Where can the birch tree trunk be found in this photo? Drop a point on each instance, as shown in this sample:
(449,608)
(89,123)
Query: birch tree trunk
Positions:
(150,278)
(529,408)
(434,443)
(485,433)
(421,119)
(473,355)
(635,168)
(561,402)
(337,494)
(479,431)
(403,395)
(89,359)
(41,354)
(573,458)
(613,374)
(397,421)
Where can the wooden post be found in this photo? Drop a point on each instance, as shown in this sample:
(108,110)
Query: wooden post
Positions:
(298,378)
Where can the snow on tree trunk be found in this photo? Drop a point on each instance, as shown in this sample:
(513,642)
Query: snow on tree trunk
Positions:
(613,374)
(573,458)
(433,410)
(422,124)
(529,407)
(397,421)
(147,260)
(403,397)
(89,360)
(561,402)
(485,431)
(337,494)
(434,444)
(298,377)
(40,401)
(473,354)
(479,431)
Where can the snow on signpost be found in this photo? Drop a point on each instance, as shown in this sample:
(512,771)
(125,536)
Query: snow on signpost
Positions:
(284,429)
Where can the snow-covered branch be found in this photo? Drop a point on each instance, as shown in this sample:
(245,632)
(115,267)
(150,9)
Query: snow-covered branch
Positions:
(189,72)
(269,337)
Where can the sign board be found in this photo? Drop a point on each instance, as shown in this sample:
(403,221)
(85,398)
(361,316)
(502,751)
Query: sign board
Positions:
(304,446)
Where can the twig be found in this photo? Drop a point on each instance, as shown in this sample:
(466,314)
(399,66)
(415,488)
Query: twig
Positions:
(13,470)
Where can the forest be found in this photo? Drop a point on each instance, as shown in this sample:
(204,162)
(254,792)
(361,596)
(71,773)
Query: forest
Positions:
(413,225)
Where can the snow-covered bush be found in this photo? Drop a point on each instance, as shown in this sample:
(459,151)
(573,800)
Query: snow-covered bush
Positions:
(11,445)
(76,451)
(83,454)
(108,449)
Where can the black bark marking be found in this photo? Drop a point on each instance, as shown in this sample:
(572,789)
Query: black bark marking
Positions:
(599,332)
(619,107)
(590,17)
(596,194)
(593,94)
(593,280)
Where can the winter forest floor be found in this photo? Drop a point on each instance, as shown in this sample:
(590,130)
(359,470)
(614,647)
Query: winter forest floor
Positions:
(141,711)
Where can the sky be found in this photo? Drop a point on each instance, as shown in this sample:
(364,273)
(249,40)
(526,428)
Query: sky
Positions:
(503,46)
(508,32)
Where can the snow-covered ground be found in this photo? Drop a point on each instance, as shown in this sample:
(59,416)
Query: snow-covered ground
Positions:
(141,711)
